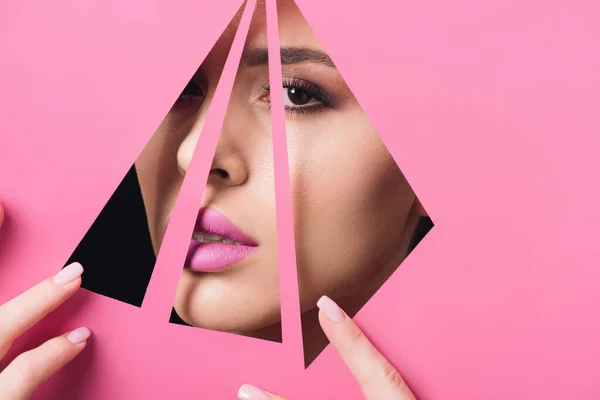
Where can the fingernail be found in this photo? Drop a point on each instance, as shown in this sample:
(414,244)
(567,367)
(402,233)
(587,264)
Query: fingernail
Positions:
(79,335)
(250,392)
(330,309)
(68,274)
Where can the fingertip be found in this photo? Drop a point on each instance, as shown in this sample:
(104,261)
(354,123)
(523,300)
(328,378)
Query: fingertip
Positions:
(330,309)
(70,289)
(69,274)
(323,320)
(79,335)
(77,282)
(250,392)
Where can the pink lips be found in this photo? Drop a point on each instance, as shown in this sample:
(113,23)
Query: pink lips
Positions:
(217,256)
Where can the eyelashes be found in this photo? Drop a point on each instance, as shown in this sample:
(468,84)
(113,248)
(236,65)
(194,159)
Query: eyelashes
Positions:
(301,96)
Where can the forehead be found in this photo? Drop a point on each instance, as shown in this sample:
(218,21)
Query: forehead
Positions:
(294,31)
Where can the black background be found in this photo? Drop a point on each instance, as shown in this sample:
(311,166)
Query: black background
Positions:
(116,252)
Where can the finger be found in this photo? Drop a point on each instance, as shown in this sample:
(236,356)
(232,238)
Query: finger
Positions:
(249,392)
(29,370)
(1,214)
(377,378)
(25,310)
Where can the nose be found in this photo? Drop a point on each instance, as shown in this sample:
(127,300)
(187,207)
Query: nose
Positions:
(229,166)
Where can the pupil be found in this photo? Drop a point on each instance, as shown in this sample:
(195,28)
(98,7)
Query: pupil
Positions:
(298,96)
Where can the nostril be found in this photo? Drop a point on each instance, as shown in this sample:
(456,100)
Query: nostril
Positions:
(221,172)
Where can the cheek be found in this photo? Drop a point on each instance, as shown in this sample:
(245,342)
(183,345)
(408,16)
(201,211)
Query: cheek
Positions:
(248,293)
(350,205)
(158,171)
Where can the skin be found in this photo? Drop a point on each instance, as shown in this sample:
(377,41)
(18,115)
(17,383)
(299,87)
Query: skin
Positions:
(20,378)
(337,165)
(375,375)
(354,211)
(377,378)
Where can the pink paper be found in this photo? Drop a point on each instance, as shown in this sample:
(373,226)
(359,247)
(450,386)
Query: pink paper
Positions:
(489,108)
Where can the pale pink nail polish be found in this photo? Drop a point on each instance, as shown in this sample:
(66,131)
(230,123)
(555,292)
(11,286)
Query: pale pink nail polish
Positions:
(79,335)
(68,274)
(249,392)
(330,309)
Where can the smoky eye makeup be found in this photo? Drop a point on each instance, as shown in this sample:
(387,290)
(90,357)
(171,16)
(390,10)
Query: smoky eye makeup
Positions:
(301,96)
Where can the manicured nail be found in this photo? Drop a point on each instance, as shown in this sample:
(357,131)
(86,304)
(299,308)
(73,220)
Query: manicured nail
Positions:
(249,392)
(79,335)
(330,309)
(68,274)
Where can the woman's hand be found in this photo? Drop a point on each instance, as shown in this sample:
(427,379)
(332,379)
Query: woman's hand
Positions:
(20,378)
(377,378)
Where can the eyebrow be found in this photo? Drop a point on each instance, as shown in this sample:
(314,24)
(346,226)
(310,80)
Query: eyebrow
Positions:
(289,55)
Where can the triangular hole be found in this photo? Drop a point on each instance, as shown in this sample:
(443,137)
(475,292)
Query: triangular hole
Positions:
(229,281)
(127,235)
(356,218)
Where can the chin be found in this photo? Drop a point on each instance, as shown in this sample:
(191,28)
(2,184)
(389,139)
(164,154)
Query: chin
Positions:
(218,325)
(225,320)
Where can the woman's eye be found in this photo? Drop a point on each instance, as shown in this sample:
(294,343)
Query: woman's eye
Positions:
(190,92)
(295,96)
(299,96)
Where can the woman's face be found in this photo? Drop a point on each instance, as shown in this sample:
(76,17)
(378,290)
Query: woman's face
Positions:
(352,205)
